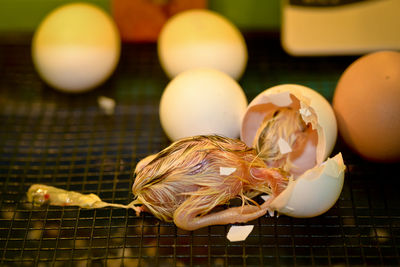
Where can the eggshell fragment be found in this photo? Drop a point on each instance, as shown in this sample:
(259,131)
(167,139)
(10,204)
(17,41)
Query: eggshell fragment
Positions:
(239,232)
(284,147)
(314,192)
(225,171)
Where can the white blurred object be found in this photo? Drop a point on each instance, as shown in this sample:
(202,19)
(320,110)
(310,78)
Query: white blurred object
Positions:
(341,27)
(106,104)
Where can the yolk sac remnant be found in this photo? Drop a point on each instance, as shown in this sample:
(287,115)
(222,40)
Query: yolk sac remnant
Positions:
(184,183)
(40,194)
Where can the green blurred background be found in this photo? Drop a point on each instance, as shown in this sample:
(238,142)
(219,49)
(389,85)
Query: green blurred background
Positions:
(23,16)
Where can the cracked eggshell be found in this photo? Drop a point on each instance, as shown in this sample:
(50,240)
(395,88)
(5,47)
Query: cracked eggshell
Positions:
(317,186)
(314,192)
(313,107)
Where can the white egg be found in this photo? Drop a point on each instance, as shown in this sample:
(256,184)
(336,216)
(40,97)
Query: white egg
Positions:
(201,38)
(202,101)
(316,183)
(76,47)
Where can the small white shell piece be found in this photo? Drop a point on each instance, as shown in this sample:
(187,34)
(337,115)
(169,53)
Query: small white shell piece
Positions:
(239,232)
(225,171)
(284,147)
(316,184)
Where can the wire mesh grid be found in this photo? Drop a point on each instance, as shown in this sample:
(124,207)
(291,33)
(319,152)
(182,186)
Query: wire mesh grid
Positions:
(68,142)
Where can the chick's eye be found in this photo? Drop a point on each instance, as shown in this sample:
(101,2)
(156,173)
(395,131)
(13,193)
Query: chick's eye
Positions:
(197,168)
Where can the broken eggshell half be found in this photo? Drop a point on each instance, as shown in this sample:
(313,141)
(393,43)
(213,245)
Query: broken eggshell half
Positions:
(315,184)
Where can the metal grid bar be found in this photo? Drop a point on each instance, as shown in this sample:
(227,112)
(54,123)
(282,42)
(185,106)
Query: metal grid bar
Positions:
(66,141)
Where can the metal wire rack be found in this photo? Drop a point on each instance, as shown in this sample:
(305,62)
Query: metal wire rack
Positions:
(67,141)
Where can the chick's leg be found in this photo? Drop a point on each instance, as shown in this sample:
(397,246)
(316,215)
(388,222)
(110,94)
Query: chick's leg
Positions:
(190,221)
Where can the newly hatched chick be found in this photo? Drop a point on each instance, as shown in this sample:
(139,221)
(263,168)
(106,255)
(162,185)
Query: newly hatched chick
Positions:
(187,180)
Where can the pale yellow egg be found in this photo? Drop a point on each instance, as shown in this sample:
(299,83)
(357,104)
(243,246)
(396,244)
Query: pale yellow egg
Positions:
(76,47)
(201,39)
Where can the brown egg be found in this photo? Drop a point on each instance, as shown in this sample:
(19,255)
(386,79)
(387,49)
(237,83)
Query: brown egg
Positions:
(367,105)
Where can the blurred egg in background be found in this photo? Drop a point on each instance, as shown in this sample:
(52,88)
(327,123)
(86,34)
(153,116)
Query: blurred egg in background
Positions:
(201,38)
(142,20)
(202,101)
(76,47)
(367,106)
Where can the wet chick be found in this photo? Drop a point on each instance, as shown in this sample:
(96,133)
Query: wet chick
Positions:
(187,180)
